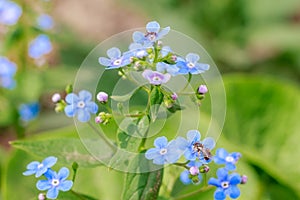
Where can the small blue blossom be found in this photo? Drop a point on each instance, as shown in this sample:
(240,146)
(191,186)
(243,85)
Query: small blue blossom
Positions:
(194,148)
(229,159)
(191,65)
(29,112)
(192,175)
(39,47)
(55,182)
(138,50)
(116,59)
(45,22)
(226,184)
(153,33)
(7,71)
(164,151)
(10,12)
(80,105)
(167,68)
(38,168)
(156,78)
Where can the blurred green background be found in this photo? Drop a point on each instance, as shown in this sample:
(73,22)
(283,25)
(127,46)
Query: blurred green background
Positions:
(256,46)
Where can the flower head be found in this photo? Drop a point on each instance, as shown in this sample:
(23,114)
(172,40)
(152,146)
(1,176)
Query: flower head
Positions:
(55,182)
(152,35)
(45,22)
(164,151)
(191,65)
(39,47)
(229,159)
(156,78)
(102,97)
(116,59)
(7,71)
(29,111)
(226,184)
(56,98)
(80,105)
(38,168)
(10,12)
(167,68)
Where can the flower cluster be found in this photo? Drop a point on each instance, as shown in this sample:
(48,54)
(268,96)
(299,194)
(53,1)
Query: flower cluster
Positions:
(54,181)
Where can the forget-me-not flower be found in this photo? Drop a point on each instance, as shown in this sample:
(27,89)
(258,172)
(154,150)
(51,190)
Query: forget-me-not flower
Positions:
(116,59)
(191,65)
(45,22)
(7,71)
(192,175)
(167,68)
(40,46)
(38,168)
(164,151)
(138,50)
(55,182)
(29,111)
(153,33)
(10,12)
(226,184)
(80,105)
(156,78)
(229,159)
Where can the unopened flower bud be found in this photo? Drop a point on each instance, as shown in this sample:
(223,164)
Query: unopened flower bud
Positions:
(41,196)
(98,120)
(174,96)
(102,97)
(195,180)
(204,169)
(202,89)
(60,106)
(194,170)
(56,98)
(244,179)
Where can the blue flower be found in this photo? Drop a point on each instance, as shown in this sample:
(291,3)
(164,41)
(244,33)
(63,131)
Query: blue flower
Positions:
(7,71)
(156,78)
(80,105)
(153,33)
(195,148)
(191,65)
(223,157)
(29,111)
(167,68)
(226,184)
(38,168)
(138,50)
(192,175)
(45,22)
(10,12)
(116,59)
(164,151)
(55,182)
(39,47)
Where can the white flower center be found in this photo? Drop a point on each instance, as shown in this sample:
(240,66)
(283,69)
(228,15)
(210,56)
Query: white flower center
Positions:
(40,166)
(151,36)
(156,78)
(80,104)
(163,151)
(191,65)
(55,182)
(117,62)
(225,184)
(229,159)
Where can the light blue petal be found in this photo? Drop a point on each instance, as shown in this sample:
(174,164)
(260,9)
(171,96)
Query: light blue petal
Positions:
(189,155)
(209,143)
(159,160)
(70,110)
(221,153)
(72,98)
(33,165)
(184,177)
(214,181)
(104,61)
(230,166)
(152,153)
(236,155)
(43,185)
(161,142)
(41,171)
(202,67)
(83,116)
(65,185)
(219,194)
(49,161)
(85,96)
(63,173)
(52,193)
(92,107)
(138,37)
(153,27)
(161,67)
(163,32)
(172,156)
(114,53)
(135,46)
(234,179)
(50,174)
(222,174)
(234,192)
(29,172)
(193,136)
(192,57)
(219,160)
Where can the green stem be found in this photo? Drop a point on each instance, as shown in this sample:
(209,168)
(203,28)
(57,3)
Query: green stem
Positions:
(182,164)
(188,82)
(204,189)
(143,142)
(74,167)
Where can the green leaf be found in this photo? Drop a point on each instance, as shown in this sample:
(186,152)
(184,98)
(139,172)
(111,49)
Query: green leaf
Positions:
(156,98)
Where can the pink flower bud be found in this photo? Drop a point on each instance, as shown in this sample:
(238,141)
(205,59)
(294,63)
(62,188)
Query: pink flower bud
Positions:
(194,170)
(102,97)
(202,89)
(56,97)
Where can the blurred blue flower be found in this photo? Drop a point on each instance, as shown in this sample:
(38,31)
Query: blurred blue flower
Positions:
(55,182)
(80,105)
(116,59)
(191,65)
(156,78)
(164,151)
(153,33)
(10,12)
(29,111)
(194,148)
(7,71)
(226,184)
(192,175)
(40,46)
(38,168)
(229,159)
(45,22)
